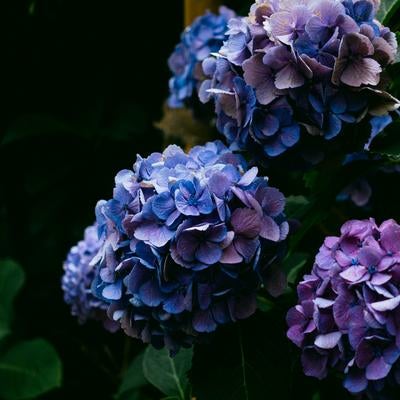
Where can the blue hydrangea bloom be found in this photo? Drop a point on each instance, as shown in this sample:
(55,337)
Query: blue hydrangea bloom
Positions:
(77,280)
(198,41)
(191,241)
(322,59)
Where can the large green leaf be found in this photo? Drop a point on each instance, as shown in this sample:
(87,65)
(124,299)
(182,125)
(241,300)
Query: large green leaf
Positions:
(296,206)
(28,370)
(168,374)
(132,380)
(11,280)
(387,10)
(293,265)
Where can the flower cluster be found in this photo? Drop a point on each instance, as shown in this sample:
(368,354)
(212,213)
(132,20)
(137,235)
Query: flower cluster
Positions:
(198,41)
(77,280)
(348,316)
(299,65)
(189,238)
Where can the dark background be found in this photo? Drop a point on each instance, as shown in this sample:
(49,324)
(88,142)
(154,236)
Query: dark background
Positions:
(81,84)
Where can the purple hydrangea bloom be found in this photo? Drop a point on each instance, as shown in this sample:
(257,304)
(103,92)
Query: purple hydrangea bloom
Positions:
(77,280)
(349,307)
(198,41)
(322,59)
(198,237)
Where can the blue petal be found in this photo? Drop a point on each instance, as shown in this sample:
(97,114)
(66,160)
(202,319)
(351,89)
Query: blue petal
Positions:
(113,291)
(150,293)
(334,126)
(163,205)
(378,124)
(203,322)
(338,104)
(290,135)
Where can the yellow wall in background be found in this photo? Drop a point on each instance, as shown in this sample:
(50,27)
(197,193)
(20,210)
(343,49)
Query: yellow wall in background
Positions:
(194,8)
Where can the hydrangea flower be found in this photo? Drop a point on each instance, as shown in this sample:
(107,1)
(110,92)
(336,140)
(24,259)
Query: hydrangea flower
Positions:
(348,313)
(323,60)
(198,41)
(192,238)
(77,280)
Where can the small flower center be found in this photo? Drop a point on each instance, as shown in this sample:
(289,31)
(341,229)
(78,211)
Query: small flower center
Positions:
(192,201)
(354,261)
(372,269)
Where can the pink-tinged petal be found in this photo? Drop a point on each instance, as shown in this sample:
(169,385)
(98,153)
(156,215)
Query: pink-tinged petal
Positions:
(331,241)
(231,256)
(342,259)
(386,305)
(365,71)
(269,229)
(390,236)
(377,369)
(282,26)
(246,222)
(259,76)
(354,273)
(272,201)
(288,77)
(328,341)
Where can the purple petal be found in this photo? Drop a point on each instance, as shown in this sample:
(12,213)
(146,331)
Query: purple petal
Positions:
(314,364)
(208,253)
(203,322)
(150,293)
(377,369)
(354,273)
(386,305)
(246,222)
(231,256)
(364,71)
(289,77)
(328,341)
(269,229)
(355,381)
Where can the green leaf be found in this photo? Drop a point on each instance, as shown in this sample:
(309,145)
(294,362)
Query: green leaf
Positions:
(29,369)
(311,178)
(11,280)
(296,206)
(168,374)
(264,304)
(133,379)
(387,10)
(293,265)
(316,396)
